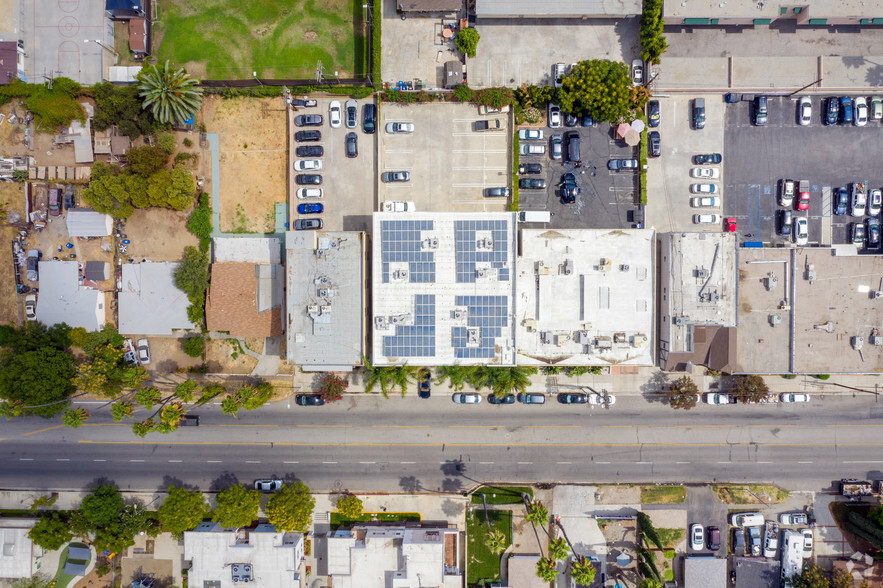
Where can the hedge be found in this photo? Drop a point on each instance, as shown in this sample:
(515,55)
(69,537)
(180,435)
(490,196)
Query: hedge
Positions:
(377,11)
(862,534)
(865,524)
(642,161)
(513,205)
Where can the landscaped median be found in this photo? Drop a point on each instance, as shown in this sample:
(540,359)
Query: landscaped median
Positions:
(663,494)
(483,565)
(750,493)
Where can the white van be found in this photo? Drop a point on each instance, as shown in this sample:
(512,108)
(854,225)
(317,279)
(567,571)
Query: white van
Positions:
(859,200)
(746,519)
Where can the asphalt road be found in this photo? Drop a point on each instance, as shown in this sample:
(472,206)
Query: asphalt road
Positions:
(371,444)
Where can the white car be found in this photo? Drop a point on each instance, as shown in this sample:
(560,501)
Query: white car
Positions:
(807,542)
(305,193)
(466,398)
(875,202)
(532,149)
(143,352)
(352,113)
(558,74)
(307,165)
(268,485)
(717,399)
(787,196)
(704,188)
(598,399)
(795,398)
(705,173)
(861,111)
(399,127)
(31,307)
(705,201)
(637,72)
(554,116)
(706,219)
(697,537)
(334,114)
(129,355)
(801,231)
(804,110)
(530,135)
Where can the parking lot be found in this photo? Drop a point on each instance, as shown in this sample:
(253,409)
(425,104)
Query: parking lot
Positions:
(607,199)
(449,162)
(757,159)
(347,183)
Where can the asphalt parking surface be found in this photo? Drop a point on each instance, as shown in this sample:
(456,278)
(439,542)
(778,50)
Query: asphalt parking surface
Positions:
(756,159)
(607,199)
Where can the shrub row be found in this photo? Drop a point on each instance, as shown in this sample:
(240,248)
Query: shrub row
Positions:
(513,206)
(377,17)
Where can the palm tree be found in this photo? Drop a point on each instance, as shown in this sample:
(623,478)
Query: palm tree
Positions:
(456,375)
(537,514)
(389,377)
(509,380)
(496,542)
(582,571)
(546,570)
(172,96)
(558,549)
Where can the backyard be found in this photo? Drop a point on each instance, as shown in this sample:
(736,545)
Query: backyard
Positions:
(484,565)
(281,39)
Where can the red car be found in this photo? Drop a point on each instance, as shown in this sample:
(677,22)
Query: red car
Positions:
(803,196)
(730,223)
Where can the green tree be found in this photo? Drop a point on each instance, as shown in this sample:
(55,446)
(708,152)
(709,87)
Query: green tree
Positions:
(332,387)
(389,377)
(648,532)
(840,578)
(876,516)
(653,43)
(185,390)
(507,380)
(181,511)
(456,375)
(50,532)
(167,142)
(350,506)
(192,276)
(537,514)
(107,193)
(33,336)
(750,388)
(171,95)
(102,506)
(121,410)
(558,549)
(237,506)
(74,417)
(38,381)
(598,87)
(194,346)
(34,581)
(546,570)
(583,571)
(682,393)
(148,397)
(496,542)
(467,41)
(651,583)
(146,160)
(291,509)
(104,373)
(812,576)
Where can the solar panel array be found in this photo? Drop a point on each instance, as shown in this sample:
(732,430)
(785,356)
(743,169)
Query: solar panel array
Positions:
(401,242)
(467,254)
(417,340)
(491,315)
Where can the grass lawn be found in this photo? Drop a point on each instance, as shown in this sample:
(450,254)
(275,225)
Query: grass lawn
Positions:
(750,493)
(282,39)
(61,579)
(338,520)
(501,495)
(671,537)
(482,564)
(663,494)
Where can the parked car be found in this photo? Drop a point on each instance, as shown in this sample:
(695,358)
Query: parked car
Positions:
(707,158)
(304,193)
(622,164)
(531,149)
(697,537)
(129,354)
(352,113)
(68,197)
(143,351)
(876,108)
(554,116)
(334,114)
(573,398)
(861,111)
(704,189)
(705,173)
(307,179)
(530,168)
(840,200)
(530,135)
(558,73)
(397,176)
(310,208)
(785,220)
(875,202)
(794,398)
(760,111)
(304,136)
(307,165)
(369,118)
(569,189)
(746,519)
(699,113)
(399,127)
(466,398)
(496,192)
(307,224)
(730,224)
(54,201)
(268,485)
(738,541)
(859,200)
(754,541)
(807,538)
(586,120)
(506,399)
(310,151)
(718,398)
(803,195)
(532,184)
(309,400)
(557,149)
(714,538)
(804,110)
(654,147)
(801,231)
(793,518)
(846,110)
(352,145)
(858,233)
(832,113)
(33,262)
(530,398)
(573,153)
(597,399)
(706,219)
(308,120)
(653,113)
(705,201)
(637,72)
(873,232)
(424,383)
(570,119)
(31,307)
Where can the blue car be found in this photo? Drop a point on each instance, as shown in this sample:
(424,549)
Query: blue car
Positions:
(840,200)
(588,121)
(846,106)
(309,208)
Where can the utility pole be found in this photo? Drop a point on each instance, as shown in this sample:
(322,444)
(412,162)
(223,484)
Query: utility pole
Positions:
(320,72)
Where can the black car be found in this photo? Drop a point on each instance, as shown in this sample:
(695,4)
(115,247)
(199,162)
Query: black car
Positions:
(507,399)
(570,120)
(369,118)
(761,111)
(532,183)
(308,120)
(833,111)
(309,400)
(310,151)
(785,222)
(653,113)
(68,197)
(530,168)
(307,224)
(707,158)
(308,179)
(569,189)
(352,147)
(573,147)
(424,384)
(699,113)
(303,136)
(714,538)
(873,231)
(573,398)
(840,201)
(654,148)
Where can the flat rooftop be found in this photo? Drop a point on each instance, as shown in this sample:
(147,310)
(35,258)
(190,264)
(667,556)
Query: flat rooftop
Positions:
(325,305)
(443,288)
(585,297)
(751,9)
(556,8)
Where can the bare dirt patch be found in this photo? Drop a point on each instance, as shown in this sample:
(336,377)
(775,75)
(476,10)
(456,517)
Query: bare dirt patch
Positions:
(12,135)
(618,494)
(157,234)
(12,197)
(224,356)
(253,160)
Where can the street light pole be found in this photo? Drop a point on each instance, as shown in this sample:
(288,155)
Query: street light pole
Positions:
(254,74)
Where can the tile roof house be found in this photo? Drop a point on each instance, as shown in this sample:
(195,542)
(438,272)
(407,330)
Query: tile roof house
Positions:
(245,299)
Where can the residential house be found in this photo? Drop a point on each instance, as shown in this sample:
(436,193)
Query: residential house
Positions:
(64,299)
(149,301)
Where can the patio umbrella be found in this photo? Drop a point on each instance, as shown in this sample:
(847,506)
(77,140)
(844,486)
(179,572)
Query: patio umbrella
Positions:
(622,560)
(638,125)
(632,137)
(622,129)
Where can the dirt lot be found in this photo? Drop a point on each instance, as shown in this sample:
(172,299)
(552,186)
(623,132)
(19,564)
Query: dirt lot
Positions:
(12,135)
(11,305)
(253,160)
(224,356)
(158,234)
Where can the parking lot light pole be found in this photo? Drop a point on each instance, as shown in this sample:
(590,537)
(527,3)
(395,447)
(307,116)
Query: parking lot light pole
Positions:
(254,74)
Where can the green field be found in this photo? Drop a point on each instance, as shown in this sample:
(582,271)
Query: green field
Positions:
(281,39)
(501,494)
(484,565)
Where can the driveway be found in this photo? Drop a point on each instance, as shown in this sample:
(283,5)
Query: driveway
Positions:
(704,507)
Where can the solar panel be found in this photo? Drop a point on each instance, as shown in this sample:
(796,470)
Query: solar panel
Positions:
(417,340)
(490,314)
(402,242)
(481,241)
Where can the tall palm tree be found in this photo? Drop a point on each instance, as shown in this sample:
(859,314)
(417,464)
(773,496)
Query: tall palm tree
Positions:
(582,571)
(537,513)
(496,542)
(558,549)
(456,375)
(171,95)
(509,380)
(389,377)
(546,570)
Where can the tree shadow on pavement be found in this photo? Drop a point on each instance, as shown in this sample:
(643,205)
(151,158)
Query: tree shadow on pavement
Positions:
(452,509)
(654,389)
(102,481)
(177,482)
(224,481)
(410,484)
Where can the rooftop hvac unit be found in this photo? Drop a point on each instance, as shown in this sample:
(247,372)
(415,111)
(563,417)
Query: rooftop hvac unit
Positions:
(335,244)
(235,568)
(619,338)
(313,309)
(567,268)
(638,340)
(399,319)
(702,273)
(605,264)
(624,268)
(459,313)
(325,292)
(680,320)
(247,568)
(546,338)
(603,343)
(775,319)
(473,336)
(770,282)
(876,340)
(380,322)
(482,272)
(235,579)
(857,342)
(582,337)
(322,280)
(875,294)
(320,252)
(429,243)
(542,270)
(401,274)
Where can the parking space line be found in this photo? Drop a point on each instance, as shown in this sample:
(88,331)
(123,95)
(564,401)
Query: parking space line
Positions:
(753,208)
(826,201)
